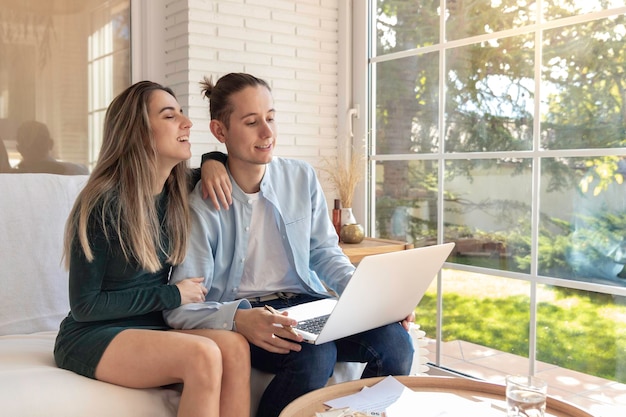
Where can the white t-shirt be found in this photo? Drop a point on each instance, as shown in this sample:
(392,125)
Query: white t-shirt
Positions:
(267,269)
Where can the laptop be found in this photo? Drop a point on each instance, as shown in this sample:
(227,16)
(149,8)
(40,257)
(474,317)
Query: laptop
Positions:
(385,288)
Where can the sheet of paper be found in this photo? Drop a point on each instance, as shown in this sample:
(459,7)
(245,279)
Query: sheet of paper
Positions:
(439,404)
(375,398)
(332,413)
(396,400)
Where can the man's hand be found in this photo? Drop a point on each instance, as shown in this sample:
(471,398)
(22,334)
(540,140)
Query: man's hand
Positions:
(406,323)
(267,330)
(216,184)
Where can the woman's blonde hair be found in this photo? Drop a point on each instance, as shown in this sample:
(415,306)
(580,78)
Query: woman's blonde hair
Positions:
(119,195)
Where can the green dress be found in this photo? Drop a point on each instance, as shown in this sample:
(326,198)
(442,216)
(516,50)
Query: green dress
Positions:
(107,296)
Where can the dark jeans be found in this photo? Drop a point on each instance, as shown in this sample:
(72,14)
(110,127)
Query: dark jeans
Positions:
(387,350)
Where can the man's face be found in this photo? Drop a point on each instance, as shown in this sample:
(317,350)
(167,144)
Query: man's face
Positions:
(251,136)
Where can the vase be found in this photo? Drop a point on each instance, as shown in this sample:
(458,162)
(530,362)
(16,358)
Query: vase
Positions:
(352,233)
(346,216)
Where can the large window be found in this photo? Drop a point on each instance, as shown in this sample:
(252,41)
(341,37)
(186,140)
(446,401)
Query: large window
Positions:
(501,125)
(61,62)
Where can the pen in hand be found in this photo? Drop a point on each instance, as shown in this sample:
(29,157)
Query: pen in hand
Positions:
(274,311)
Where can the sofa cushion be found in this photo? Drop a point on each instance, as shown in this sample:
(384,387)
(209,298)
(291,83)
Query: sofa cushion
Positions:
(33,386)
(33,210)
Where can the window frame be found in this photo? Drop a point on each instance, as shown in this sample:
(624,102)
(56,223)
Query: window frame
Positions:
(363,79)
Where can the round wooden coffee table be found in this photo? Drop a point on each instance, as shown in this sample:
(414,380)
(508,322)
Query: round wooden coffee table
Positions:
(309,404)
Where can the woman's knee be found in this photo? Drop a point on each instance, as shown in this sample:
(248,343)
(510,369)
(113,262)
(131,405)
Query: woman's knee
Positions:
(236,349)
(239,343)
(202,355)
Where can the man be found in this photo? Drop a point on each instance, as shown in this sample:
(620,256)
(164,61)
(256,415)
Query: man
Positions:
(35,145)
(275,246)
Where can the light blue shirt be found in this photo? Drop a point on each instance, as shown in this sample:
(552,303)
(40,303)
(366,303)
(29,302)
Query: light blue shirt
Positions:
(219,240)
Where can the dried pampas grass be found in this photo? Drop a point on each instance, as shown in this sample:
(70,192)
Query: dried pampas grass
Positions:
(345,176)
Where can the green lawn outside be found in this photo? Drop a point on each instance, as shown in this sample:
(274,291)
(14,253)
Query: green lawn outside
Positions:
(577,330)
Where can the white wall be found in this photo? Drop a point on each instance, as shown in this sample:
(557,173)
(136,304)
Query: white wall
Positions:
(293,45)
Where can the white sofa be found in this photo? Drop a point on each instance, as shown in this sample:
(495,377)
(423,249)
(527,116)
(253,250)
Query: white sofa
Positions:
(34,300)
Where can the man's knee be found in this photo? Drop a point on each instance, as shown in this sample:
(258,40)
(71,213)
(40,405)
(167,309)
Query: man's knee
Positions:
(389,351)
(398,350)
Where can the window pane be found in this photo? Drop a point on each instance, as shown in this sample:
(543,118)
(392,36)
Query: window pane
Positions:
(487,212)
(556,9)
(489,98)
(485,323)
(407,108)
(583,84)
(406,203)
(583,219)
(402,25)
(533,181)
(479,17)
(48,79)
(583,331)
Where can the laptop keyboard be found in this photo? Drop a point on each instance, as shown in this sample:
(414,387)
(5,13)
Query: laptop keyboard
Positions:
(313,325)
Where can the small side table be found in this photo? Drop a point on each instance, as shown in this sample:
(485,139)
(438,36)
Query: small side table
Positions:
(372,246)
(308,404)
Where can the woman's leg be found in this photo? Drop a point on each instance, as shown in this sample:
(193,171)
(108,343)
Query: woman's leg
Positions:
(148,358)
(235,396)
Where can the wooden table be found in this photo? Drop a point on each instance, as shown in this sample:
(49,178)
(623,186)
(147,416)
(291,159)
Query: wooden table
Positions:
(309,404)
(372,246)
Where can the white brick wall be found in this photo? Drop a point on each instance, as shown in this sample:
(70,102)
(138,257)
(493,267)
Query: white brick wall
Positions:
(292,44)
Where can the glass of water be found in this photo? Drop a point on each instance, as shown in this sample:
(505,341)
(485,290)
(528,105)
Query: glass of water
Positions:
(525,396)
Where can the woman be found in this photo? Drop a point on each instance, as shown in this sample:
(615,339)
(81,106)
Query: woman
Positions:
(127,229)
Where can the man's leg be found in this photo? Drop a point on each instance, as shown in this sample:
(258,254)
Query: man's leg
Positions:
(296,374)
(387,350)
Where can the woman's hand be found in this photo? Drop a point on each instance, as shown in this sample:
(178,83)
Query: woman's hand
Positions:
(192,290)
(216,183)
